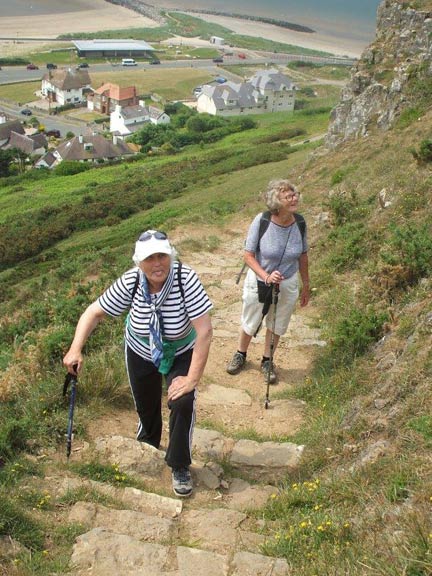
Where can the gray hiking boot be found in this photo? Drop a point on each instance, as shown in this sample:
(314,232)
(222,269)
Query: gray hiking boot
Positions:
(236,364)
(182,482)
(265,369)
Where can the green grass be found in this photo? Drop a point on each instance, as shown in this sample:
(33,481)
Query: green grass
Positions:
(339,512)
(21,92)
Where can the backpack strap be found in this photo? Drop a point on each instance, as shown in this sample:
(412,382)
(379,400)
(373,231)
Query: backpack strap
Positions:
(179,280)
(301,223)
(263,225)
(266,219)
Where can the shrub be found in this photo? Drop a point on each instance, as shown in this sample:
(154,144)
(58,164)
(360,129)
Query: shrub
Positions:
(352,335)
(343,206)
(70,167)
(350,246)
(424,153)
(410,246)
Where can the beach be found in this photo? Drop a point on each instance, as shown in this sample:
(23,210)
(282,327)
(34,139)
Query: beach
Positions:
(98,15)
(341,44)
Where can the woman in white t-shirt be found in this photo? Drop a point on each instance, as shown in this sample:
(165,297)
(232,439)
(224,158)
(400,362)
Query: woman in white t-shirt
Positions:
(274,259)
(168,332)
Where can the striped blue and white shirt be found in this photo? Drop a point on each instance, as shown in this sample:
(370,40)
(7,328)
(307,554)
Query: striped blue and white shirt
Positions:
(177,312)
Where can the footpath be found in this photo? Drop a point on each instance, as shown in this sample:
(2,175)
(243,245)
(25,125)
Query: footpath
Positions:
(216,532)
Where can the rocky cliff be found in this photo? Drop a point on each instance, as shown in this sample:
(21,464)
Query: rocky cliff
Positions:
(394,73)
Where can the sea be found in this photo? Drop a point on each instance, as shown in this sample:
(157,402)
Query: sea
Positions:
(355,17)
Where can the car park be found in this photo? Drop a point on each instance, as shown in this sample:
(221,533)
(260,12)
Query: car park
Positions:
(32,67)
(26,112)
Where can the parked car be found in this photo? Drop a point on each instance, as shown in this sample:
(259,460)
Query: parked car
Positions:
(32,67)
(241,55)
(155,62)
(218,60)
(55,133)
(83,65)
(26,112)
(51,66)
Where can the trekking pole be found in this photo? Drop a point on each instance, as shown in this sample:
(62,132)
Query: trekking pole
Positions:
(72,380)
(275,297)
(240,274)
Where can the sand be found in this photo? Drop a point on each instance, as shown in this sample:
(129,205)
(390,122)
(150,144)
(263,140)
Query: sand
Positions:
(336,44)
(97,15)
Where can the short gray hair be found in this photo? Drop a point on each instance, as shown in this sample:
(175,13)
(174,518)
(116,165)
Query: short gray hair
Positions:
(271,194)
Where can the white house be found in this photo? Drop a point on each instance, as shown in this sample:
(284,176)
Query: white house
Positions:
(217,40)
(277,89)
(66,86)
(230,99)
(128,119)
(266,91)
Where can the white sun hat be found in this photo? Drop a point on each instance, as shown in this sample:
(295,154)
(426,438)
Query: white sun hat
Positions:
(151,242)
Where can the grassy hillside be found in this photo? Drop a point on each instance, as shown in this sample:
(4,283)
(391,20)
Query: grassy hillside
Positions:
(361,501)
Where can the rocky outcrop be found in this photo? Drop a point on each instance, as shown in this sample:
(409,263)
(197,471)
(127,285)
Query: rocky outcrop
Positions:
(382,82)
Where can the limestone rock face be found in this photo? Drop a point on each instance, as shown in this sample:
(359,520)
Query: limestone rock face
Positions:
(381,82)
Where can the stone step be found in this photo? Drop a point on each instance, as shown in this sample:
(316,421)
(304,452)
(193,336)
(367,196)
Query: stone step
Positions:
(100,552)
(266,461)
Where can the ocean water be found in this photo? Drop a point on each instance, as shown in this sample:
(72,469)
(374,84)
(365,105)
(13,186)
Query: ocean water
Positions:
(356,16)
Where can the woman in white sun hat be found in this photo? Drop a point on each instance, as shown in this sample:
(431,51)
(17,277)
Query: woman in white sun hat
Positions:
(168,332)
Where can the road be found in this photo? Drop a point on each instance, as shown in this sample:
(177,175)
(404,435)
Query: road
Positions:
(11,74)
(50,122)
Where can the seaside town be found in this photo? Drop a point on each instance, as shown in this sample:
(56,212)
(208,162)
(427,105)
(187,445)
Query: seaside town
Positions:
(70,92)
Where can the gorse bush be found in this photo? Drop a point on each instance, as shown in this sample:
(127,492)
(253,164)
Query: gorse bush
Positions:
(349,246)
(350,337)
(424,152)
(344,206)
(410,246)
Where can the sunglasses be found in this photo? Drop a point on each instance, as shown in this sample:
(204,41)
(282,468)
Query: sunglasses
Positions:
(147,235)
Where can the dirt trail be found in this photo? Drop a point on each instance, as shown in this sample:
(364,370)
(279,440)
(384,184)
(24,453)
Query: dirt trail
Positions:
(213,527)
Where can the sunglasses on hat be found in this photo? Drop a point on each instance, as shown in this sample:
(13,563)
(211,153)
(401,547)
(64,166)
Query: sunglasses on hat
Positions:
(147,235)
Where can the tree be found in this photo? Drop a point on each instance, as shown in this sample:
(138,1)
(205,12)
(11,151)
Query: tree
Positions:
(6,158)
(20,157)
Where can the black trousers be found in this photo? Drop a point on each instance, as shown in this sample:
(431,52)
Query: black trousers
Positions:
(146,386)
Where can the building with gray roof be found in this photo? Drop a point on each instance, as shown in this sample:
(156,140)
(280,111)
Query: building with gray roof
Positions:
(113,48)
(266,91)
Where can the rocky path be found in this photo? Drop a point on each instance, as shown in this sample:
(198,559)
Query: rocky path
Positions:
(215,532)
